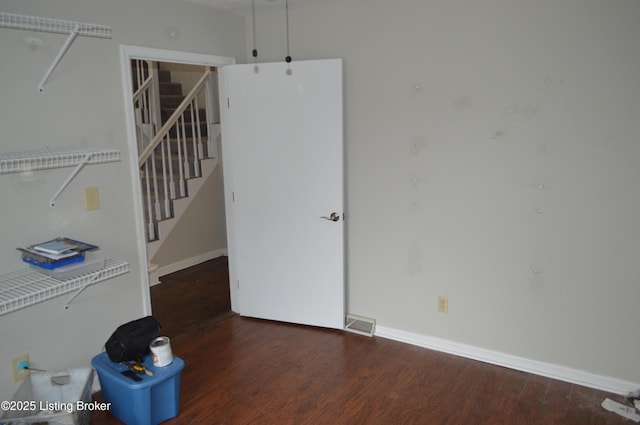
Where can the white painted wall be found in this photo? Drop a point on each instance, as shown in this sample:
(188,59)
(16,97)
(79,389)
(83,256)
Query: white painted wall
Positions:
(82,105)
(201,232)
(492,156)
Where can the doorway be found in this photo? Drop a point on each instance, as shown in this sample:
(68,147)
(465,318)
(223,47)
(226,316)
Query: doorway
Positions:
(129,53)
(181,180)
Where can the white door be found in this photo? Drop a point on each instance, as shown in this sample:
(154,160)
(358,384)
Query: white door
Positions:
(283,148)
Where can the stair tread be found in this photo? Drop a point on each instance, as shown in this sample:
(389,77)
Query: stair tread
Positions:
(164,75)
(169,88)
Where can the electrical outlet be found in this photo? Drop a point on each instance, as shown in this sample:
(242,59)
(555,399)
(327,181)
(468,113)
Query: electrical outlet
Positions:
(19,372)
(91,198)
(443,304)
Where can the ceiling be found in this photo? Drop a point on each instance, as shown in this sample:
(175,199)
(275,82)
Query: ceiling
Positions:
(244,6)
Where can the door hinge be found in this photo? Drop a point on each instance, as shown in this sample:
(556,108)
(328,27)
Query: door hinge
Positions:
(228,104)
(233,197)
(238,284)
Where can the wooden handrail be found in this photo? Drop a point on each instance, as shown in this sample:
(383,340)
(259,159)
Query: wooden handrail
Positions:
(145,85)
(147,151)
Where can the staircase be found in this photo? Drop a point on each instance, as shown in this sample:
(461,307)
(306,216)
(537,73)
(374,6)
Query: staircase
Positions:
(177,146)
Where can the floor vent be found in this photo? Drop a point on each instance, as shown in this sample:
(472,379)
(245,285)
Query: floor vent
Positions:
(360,325)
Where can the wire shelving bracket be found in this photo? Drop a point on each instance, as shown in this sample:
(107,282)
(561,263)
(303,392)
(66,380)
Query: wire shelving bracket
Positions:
(26,287)
(36,23)
(19,162)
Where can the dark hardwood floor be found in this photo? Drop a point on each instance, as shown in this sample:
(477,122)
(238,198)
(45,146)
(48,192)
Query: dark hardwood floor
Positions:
(245,371)
(190,300)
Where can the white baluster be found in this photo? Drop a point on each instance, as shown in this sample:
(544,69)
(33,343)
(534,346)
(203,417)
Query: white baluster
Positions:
(200,147)
(180,137)
(208,100)
(155,186)
(172,183)
(165,182)
(151,230)
(196,162)
(187,173)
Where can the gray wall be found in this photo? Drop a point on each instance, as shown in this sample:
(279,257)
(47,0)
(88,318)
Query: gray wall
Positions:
(492,157)
(83,105)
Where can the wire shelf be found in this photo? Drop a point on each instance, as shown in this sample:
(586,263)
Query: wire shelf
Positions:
(43,159)
(27,287)
(36,23)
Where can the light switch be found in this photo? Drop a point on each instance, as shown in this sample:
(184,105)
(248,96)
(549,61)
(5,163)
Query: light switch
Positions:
(91,198)
(443,304)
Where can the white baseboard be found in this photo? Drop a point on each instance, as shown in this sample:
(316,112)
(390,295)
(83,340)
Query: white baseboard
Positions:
(189,262)
(549,370)
(154,279)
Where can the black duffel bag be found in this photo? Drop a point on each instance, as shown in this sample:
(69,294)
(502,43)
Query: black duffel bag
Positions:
(130,342)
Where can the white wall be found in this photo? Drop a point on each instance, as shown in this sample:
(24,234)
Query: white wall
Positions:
(201,232)
(82,105)
(492,157)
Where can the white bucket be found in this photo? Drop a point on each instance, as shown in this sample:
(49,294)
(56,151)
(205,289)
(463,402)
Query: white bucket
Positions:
(161,351)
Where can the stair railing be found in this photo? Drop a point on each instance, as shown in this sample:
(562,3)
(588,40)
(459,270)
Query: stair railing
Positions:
(179,138)
(146,102)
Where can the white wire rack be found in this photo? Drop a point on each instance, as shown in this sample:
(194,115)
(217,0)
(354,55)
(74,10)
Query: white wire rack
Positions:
(27,287)
(16,162)
(56,158)
(36,23)
(72,28)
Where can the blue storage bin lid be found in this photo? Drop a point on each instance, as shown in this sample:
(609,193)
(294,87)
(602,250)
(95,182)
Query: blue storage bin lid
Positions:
(106,368)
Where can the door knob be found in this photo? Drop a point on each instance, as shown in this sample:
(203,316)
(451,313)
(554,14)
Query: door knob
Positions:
(333,217)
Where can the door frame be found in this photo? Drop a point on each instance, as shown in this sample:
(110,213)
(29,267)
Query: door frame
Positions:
(127,53)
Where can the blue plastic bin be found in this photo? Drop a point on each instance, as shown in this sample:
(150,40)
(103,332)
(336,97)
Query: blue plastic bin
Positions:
(148,402)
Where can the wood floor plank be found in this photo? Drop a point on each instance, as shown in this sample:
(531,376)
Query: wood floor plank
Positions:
(242,371)
(185,302)
(505,387)
(553,407)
